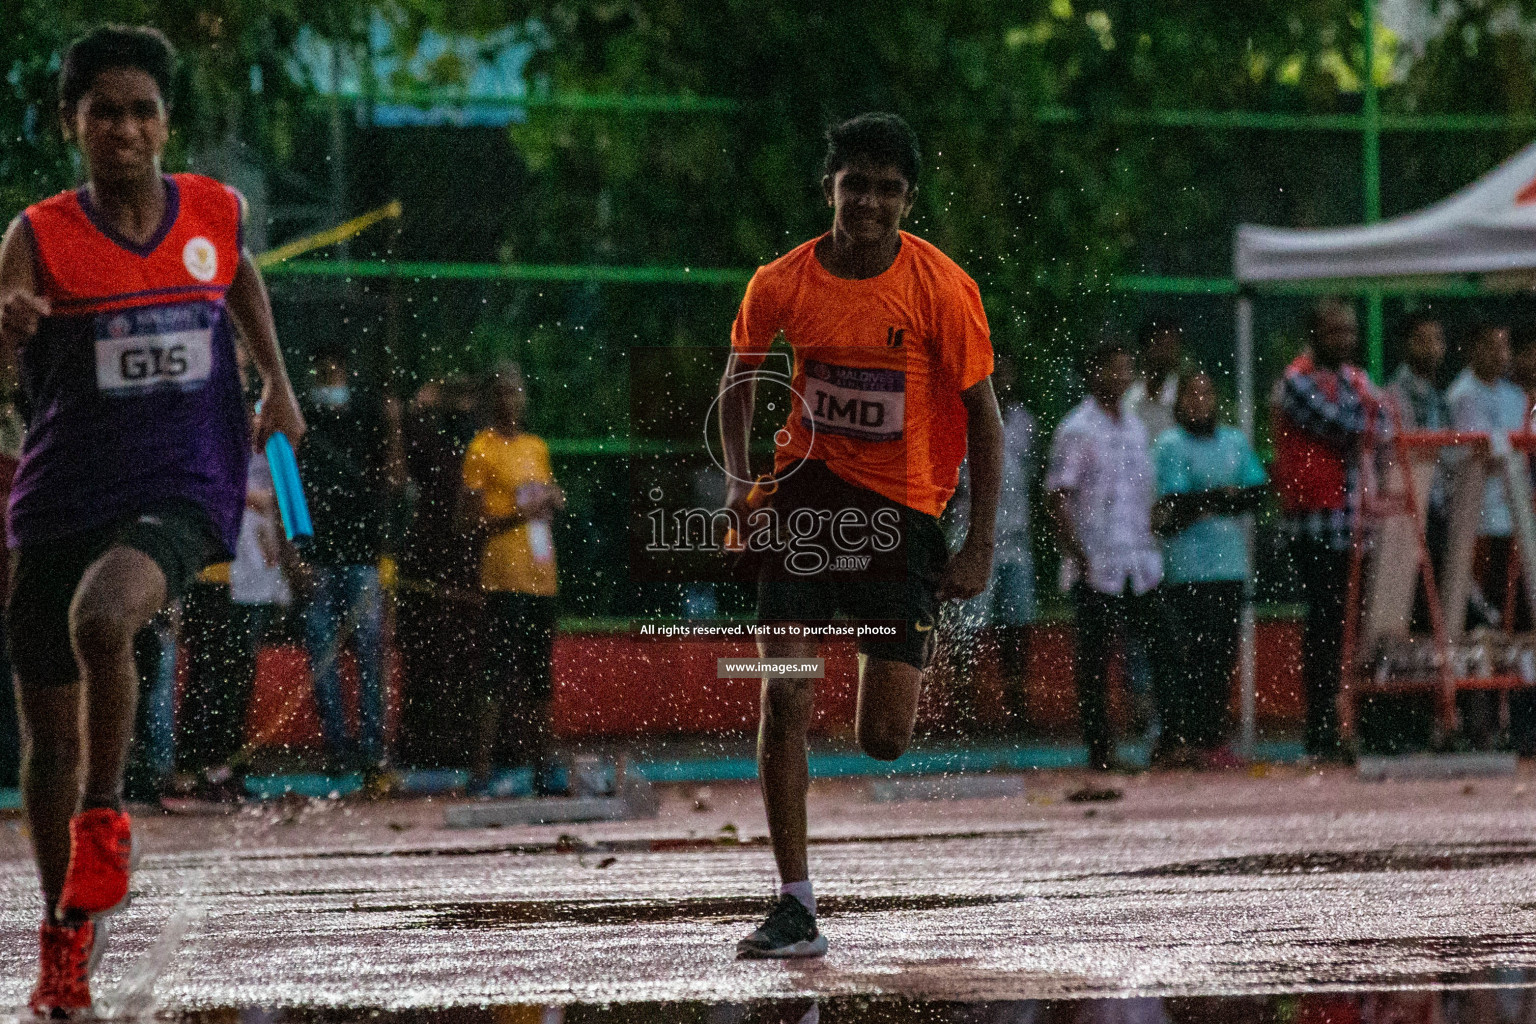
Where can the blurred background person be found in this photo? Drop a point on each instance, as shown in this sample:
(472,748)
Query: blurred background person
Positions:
(1522,370)
(1151,395)
(1324,410)
(1208,476)
(1150,398)
(1006,610)
(510,496)
(706,487)
(351,466)
(1483,398)
(1391,723)
(227,618)
(1100,490)
(440,602)
(1415,387)
(1421,405)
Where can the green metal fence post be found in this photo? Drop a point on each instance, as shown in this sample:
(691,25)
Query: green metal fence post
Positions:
(1372,168)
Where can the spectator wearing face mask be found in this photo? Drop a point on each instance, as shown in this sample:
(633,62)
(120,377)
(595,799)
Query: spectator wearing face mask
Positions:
(352,466)
(1207,476)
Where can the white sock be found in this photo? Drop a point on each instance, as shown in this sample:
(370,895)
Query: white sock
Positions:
(802,892)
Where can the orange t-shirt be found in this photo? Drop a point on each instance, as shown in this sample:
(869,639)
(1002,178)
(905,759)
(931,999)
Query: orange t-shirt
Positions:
(879,367)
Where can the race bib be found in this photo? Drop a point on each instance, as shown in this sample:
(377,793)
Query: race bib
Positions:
(862,403)
(144,350)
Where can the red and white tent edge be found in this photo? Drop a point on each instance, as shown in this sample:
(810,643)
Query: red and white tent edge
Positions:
(1487,227)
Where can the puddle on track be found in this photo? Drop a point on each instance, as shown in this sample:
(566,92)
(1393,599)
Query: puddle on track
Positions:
(1484,1005)
(497,914)
(526,913)
(1466,857)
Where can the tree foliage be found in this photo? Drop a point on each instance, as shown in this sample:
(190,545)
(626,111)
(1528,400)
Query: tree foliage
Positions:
(1043,213)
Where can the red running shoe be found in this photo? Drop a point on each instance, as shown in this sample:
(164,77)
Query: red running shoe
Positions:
(64,976)
(100,852)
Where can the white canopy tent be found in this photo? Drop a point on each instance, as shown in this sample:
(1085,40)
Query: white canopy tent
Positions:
(1489,227)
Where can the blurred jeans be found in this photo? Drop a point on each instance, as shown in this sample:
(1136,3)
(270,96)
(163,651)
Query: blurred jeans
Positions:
(159,699)
(1101,619)
(152,753)
(347,607)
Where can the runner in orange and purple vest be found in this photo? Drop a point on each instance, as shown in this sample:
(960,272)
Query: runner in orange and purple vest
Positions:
(118,306)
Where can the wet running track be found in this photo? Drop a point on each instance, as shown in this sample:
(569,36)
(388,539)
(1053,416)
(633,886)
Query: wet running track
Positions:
(1224,885)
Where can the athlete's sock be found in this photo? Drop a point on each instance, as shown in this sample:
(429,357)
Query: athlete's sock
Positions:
(802,892)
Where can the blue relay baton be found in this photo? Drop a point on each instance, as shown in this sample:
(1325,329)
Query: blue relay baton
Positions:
(290,492)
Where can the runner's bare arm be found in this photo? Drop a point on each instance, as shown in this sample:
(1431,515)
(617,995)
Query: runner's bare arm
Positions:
(738,395)
(968,571)
(20,304)
(252,311)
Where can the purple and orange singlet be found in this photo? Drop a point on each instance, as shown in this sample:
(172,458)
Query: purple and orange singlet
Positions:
(132,391)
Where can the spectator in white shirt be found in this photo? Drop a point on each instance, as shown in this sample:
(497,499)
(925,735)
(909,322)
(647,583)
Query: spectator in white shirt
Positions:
(1006,609)
(1482,398)
(1150,398)
(1101,488)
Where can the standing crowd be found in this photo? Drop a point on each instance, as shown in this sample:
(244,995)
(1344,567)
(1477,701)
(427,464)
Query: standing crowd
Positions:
(453,499)
(1146,490)
(1148,494)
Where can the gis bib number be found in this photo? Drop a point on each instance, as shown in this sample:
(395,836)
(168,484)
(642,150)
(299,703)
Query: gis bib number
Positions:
(863,403)
(144,350)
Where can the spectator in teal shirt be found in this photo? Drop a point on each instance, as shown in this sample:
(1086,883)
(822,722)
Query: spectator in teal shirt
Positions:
(1207,477)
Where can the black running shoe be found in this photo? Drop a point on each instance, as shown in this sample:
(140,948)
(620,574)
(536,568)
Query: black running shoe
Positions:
(790,931)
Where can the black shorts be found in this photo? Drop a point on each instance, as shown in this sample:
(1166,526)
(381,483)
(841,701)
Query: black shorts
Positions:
(177,535)
(882,575)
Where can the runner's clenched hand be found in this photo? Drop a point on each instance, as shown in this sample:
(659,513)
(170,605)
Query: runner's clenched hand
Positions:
(20,314)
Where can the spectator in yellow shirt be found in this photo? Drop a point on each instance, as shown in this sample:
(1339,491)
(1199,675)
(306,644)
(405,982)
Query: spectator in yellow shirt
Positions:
(511,497)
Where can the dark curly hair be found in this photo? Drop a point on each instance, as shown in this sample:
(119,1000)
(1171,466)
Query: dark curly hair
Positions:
(115,46)
(881,138)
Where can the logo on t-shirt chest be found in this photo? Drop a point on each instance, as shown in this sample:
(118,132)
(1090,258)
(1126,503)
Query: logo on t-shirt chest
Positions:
(200,258)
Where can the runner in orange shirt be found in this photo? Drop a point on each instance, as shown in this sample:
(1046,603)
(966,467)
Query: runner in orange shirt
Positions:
(891,391)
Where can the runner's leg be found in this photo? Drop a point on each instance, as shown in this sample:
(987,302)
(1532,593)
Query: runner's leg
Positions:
(781,757)
(120,593)
(887,710)
(50,777)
